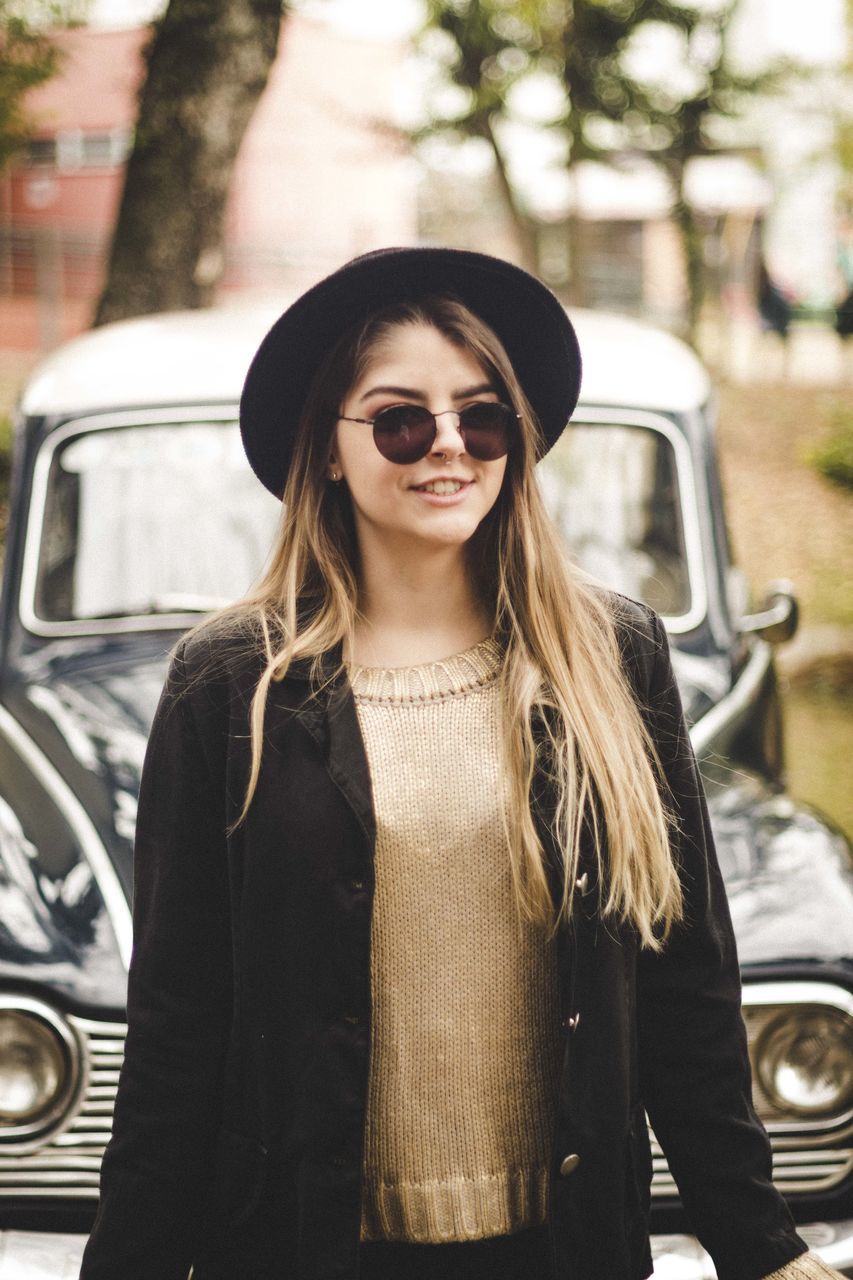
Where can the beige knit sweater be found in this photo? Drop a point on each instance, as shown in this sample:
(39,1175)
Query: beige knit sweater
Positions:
(807,1267)
(466,1038)
(466,1042)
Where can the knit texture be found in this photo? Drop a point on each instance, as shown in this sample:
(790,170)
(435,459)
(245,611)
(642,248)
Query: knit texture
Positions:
(466,1041)
(807,1267)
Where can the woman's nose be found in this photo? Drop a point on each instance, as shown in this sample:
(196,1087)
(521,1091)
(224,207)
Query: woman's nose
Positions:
(448,440)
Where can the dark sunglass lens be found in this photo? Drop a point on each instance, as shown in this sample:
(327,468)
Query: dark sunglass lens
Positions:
(404,432)
(487,429)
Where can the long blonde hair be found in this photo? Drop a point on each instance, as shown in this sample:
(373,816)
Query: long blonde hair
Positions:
(568,714)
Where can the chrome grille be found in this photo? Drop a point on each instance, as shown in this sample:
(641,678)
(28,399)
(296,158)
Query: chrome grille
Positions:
(794,1172)
(809,1155)
(67,1164)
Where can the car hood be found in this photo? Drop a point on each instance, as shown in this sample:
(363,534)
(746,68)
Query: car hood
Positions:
(74,734)
(87,715)
(788,876)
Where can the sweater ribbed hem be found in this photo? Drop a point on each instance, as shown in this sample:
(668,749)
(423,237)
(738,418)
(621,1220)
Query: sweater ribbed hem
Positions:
(807,1267)
(457,1209)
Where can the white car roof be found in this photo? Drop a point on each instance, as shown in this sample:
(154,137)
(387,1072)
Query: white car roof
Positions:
(202,357)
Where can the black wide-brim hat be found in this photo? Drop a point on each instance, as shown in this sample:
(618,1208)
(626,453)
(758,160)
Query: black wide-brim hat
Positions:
(529,320)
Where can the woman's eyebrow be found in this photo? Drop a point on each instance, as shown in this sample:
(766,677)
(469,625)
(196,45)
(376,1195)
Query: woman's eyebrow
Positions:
(409,393)
(479,390)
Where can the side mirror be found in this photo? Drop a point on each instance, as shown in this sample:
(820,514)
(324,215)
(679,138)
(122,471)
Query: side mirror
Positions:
(779,616)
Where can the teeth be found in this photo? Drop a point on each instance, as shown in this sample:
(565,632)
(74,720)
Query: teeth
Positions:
(442,486)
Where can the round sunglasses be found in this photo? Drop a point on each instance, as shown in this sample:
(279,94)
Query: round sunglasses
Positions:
(405,433)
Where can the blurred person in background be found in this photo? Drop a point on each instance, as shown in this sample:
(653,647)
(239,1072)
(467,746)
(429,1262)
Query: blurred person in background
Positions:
(774,307)
(844,317)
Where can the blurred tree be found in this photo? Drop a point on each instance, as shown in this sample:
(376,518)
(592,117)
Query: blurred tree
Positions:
(488,46)
(673,124)
(611,109)
(207,64)
(491,46)
(28,57)
(608,109)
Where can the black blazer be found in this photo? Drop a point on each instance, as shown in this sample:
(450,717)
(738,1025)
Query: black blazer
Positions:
(239,1119)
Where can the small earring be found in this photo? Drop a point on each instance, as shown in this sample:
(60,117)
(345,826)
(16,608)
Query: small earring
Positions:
(335,476)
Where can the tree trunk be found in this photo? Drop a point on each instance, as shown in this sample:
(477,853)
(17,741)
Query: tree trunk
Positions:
(576,291)
(524,235)
(692,245)
(208,63)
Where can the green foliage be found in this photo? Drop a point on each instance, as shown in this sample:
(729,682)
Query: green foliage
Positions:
(818,713)
(599,83)
(486,46)
(833,456)
(5,446)
(28,57)
(844,134)
(489,45)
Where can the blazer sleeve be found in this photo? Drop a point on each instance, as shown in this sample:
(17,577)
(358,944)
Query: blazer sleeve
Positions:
(694,1066)
(156,1169)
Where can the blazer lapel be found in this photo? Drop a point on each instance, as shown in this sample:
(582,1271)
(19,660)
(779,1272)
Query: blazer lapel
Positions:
(347,758)
(330,717)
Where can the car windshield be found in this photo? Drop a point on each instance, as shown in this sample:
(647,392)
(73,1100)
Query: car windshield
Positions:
(614,493)
(167,518)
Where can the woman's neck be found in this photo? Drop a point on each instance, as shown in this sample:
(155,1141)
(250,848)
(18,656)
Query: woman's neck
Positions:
(411,613)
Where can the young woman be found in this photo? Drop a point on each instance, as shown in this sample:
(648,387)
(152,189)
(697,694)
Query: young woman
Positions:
(427,912)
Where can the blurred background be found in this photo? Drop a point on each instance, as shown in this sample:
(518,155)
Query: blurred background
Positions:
(687,162)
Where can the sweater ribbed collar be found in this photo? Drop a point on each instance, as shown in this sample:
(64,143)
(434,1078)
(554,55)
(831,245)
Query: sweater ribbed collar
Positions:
(447,677)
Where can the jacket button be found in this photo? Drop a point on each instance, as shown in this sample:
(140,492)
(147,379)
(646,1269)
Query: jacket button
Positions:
(568,1165)
(571,1022)
(582,882)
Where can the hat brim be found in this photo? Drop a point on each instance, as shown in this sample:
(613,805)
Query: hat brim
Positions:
(529,320)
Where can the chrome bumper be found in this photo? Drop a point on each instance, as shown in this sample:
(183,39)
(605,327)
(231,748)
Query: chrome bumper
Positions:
(683,1258)
(34,1255)
(40,1255)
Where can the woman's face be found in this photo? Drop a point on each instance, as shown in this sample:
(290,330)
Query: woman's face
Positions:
(395,506)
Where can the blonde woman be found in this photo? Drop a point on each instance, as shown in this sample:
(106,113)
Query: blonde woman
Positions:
(427,912)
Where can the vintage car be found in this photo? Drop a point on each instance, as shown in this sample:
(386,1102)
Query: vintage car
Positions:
(133,512)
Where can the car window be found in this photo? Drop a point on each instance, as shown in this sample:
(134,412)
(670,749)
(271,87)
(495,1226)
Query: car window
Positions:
(150,518)
(614,493)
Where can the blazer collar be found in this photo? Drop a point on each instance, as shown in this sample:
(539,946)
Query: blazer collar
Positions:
(329,715)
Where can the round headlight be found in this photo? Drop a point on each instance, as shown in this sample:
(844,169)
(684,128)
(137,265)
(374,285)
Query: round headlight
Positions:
(34,1069)
(804,1061)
